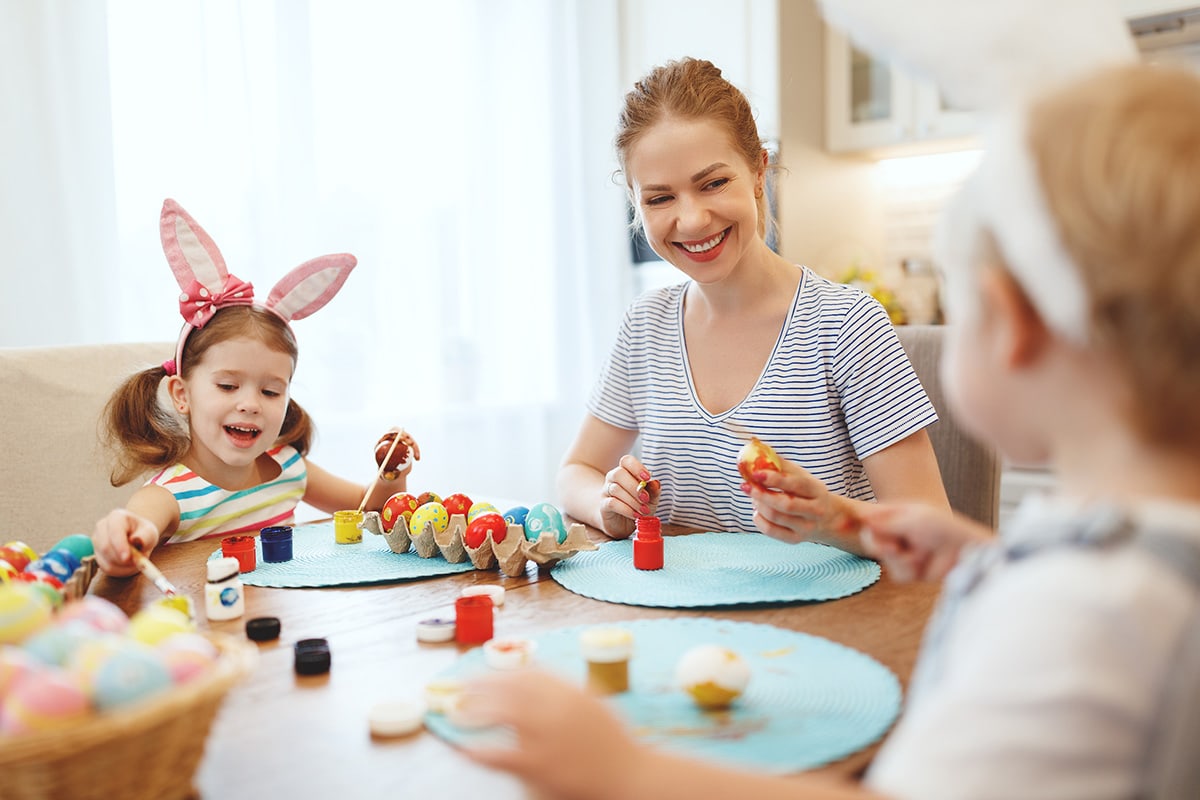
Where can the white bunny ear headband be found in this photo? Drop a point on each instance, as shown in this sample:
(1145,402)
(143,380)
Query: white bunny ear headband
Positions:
(208,287)
(995,56)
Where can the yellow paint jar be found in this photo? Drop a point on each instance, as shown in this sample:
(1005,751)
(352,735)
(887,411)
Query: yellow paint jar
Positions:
(346,528)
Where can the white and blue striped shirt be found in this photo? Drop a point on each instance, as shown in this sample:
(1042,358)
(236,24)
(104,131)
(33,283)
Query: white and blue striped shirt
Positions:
(837,388)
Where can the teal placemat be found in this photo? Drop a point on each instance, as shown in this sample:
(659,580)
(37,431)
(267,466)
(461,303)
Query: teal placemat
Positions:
(318,560)
(810,701)
(717,569)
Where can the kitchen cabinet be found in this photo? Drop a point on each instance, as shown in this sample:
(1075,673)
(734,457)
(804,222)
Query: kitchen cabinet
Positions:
(872,106)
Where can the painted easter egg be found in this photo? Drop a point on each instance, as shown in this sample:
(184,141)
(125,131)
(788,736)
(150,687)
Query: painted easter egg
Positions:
(78,543)
(713,675)
(7,571)
(24,549)
(51,566)
(15,557)
(156,622)
(46,585)
(480,508)
(15,663)
(44,700)
(132,672)
(23,610)
(516,515)
(87,659)
(96,612)
(479,528)
(457,503)
(55,644)
(187,656)
(542,518)
(399,506)
(67,557)
(428,497)
(430,513)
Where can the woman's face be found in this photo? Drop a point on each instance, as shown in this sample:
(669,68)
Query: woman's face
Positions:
(696,197)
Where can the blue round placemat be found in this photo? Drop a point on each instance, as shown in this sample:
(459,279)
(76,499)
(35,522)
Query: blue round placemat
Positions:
(717,569)
(810,701)
(318,560)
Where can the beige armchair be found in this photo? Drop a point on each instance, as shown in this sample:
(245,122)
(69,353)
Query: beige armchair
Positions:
(54,479)
(970,469)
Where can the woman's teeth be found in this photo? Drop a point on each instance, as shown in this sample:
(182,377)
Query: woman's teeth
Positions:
(706,245)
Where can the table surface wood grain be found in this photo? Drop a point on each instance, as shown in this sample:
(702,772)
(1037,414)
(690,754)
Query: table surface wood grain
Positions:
(278,734)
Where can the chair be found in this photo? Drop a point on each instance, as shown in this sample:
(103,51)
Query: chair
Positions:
(970,469)
(54,477)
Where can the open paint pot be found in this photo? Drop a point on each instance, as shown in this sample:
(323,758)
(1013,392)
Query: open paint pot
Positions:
(241,548)
(276,543)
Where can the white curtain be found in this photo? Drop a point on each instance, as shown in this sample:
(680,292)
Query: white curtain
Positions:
(461,149)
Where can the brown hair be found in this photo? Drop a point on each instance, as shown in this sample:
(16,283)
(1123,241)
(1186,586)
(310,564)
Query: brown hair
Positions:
(144,435)
(691,89)
(1118,156)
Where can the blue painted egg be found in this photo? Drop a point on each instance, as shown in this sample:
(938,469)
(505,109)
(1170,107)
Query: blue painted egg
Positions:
(516,515)
(543,518)
(68,559)
(132,672)
(55,644)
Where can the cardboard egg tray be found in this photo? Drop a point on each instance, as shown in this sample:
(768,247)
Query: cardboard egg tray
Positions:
(77,585)
(510,555)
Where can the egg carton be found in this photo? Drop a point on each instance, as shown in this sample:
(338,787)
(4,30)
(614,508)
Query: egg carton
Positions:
(511,555)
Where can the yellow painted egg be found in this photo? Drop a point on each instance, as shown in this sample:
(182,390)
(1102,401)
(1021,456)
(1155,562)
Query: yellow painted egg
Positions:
(433,513)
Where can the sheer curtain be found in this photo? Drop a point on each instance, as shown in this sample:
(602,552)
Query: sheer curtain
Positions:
(461,149)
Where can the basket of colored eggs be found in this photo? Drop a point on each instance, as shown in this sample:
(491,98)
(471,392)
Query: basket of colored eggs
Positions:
(95,704)
(64,572)
(459,530)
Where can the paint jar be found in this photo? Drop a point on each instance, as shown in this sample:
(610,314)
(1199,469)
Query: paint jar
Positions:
(346,528)
(224,596)
(243,549)
(276,543)
(473,619)
(607,652)
(648,544)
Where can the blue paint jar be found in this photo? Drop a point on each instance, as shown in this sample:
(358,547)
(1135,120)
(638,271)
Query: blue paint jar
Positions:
(276,543)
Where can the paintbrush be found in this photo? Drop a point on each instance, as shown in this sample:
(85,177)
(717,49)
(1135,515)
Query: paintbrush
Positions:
(382,469)
(147,568)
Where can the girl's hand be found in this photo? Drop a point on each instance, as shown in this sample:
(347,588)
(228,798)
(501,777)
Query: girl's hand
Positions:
(918,542)
(115,534)
(794,506)
(567,742)
(400,463)
(628,493)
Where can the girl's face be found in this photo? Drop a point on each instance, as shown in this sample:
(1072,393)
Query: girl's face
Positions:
(236,397)
(695,194)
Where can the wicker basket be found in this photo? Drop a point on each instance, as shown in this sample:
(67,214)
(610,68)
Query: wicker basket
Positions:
(148,751)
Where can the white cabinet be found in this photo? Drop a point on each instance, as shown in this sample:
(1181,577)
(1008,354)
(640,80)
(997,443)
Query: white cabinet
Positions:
(871,106)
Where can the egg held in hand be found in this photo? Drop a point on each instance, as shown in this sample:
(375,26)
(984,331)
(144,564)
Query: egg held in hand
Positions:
(758,456)
(714,676)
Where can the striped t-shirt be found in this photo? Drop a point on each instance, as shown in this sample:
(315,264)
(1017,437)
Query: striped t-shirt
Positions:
(206,510)
(836,388)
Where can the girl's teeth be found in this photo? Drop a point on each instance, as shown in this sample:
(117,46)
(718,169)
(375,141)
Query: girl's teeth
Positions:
(704,247)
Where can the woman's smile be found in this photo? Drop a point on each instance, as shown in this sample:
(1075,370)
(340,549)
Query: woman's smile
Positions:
(704,249)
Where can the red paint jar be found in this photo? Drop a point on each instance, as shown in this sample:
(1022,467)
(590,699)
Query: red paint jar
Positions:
(648,544)
(242,548)
(473,619)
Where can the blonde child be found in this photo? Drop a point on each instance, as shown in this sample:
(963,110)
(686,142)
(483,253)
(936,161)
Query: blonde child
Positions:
(1064,658)
(232,457)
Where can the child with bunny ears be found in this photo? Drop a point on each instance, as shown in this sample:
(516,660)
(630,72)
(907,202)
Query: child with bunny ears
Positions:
(1063,660)
(233,457)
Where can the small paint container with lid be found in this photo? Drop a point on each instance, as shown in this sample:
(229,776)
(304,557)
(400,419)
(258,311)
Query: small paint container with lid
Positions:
(648,544)
(243,548)
(276,543)
(473,619)
(346,526)
(607,652)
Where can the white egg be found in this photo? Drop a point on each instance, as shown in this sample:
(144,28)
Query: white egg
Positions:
(713,675)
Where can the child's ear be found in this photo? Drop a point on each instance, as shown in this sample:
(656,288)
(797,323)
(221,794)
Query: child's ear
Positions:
(1020,335)
(178,393)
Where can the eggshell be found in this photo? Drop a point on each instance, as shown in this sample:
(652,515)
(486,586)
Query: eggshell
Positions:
(29,553)
(15,556)
(479,528)
(132,672)
(479,508)
(78,543)
(428,497)
(95,611)
(432,512)
(87,659)
(44,700)
(156,622)
(7,571)
(399,506)
(713,675)
(65,557)
(457,503)
(14,664)
(23,610)
(187,655)
(54,644)
(544,517)
(51,566)
(516,515)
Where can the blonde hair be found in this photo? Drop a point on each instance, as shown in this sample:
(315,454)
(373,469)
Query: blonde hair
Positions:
(691,89)
(143,435)
(1118,158)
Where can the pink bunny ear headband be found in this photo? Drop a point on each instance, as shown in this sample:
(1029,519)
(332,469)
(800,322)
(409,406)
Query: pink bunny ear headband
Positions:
(208,287)
(997,57)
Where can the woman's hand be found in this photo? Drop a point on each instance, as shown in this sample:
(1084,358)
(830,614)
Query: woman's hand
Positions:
(794,506)
(917,542)
(115,534)
(628,492)
(399,463)
(567,742)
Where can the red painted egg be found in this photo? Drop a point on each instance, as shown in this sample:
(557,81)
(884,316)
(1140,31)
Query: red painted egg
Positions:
(457,503)
(17,558)
(399,506)
(481,526)
(428,497)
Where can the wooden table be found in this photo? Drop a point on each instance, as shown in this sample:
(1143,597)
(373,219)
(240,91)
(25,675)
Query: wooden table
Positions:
(282,735)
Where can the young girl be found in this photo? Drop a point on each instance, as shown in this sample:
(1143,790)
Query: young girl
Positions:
(1064,659)
(231,459)
(750,345)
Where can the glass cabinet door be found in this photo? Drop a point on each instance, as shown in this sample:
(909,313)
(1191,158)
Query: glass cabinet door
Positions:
(868,104)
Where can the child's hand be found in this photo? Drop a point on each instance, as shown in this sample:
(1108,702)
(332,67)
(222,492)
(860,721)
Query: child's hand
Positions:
(568,744)
(399,463)
(792,505)
(918,542)
(113,536)
(628,493)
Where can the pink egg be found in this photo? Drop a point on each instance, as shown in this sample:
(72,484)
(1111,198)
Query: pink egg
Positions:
(14,664)
(101,614)
(187,655)
(42,701)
